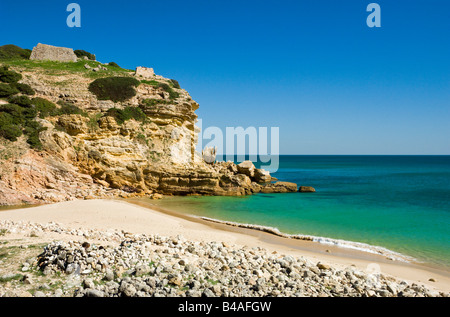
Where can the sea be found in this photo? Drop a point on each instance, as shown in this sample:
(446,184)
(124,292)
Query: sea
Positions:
(395,203)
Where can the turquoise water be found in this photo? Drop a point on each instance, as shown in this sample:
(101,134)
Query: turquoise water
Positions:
(401,203)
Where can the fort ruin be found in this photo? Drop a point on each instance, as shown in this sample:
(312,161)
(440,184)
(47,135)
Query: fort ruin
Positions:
(43,52)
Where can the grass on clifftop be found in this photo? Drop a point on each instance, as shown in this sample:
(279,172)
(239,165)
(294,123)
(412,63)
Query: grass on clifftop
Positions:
(12,55)
(62,68)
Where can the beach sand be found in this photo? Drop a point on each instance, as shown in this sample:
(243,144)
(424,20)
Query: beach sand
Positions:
(130,217)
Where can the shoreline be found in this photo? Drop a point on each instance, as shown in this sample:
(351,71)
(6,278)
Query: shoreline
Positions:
(144,218)
(305,243)
(363,247)
(358,249)
(271,231)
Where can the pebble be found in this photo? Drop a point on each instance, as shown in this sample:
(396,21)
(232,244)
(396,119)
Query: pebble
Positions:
(138,265)
(39,294)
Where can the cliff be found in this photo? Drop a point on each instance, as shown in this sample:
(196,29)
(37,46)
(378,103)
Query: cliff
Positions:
(74,130)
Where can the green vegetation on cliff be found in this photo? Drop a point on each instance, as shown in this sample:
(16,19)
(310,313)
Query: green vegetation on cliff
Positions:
(165,86)
(8,76)
(13,52)
(20,113)
(175,83)
(24,88)
(68,108)
(154,102)
(122,115)
(18,117)
(61,68)
(81,53)
(7,90)
(172,93)
(16,120)
(44,107)
(116,89)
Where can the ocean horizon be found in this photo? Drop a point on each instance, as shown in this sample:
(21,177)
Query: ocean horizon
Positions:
(397,202)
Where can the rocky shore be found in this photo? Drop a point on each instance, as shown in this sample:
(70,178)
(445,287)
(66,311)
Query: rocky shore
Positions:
(115,263)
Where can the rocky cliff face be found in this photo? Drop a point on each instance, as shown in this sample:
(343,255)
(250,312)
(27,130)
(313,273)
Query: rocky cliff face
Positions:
(96,155)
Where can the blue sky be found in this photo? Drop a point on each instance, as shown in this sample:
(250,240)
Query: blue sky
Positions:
(310,67)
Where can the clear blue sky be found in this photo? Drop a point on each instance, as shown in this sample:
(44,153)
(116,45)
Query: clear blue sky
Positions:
(311,67)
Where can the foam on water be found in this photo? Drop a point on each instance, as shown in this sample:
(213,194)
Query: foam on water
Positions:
(363,247)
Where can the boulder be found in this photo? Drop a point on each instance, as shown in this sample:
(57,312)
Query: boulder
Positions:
(156,196)
(323,266)
(255,188)
(279,187)
(306,189)
(262,176)
(209,154)
(73,124)
(247,168)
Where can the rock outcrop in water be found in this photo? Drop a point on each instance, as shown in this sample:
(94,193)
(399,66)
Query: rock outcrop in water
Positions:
(306,189)
(98,143)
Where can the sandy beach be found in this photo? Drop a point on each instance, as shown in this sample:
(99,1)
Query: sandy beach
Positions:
(104,215)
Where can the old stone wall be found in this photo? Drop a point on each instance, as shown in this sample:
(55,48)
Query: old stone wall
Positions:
(145,72)
(43,52)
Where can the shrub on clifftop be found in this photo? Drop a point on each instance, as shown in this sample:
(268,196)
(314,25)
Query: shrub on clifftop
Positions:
(19,118)
(175,83)
(32,130)
(22,101)
(9,76)
(116,89)
(172,93)
(14,52)
(126,114)
(7,90)
(154,102)
(81,54)
(10,131)
(43,107)
(24,88)
(68,108)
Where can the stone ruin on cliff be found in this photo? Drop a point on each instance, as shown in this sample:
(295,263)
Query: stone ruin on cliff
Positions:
(43,52)
(144,72)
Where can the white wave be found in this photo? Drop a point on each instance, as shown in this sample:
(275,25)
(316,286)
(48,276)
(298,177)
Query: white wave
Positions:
(322,240)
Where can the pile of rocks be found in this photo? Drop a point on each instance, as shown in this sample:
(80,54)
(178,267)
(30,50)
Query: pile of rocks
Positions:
(246,179)
(95,69)
(36,229)
(151,265)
